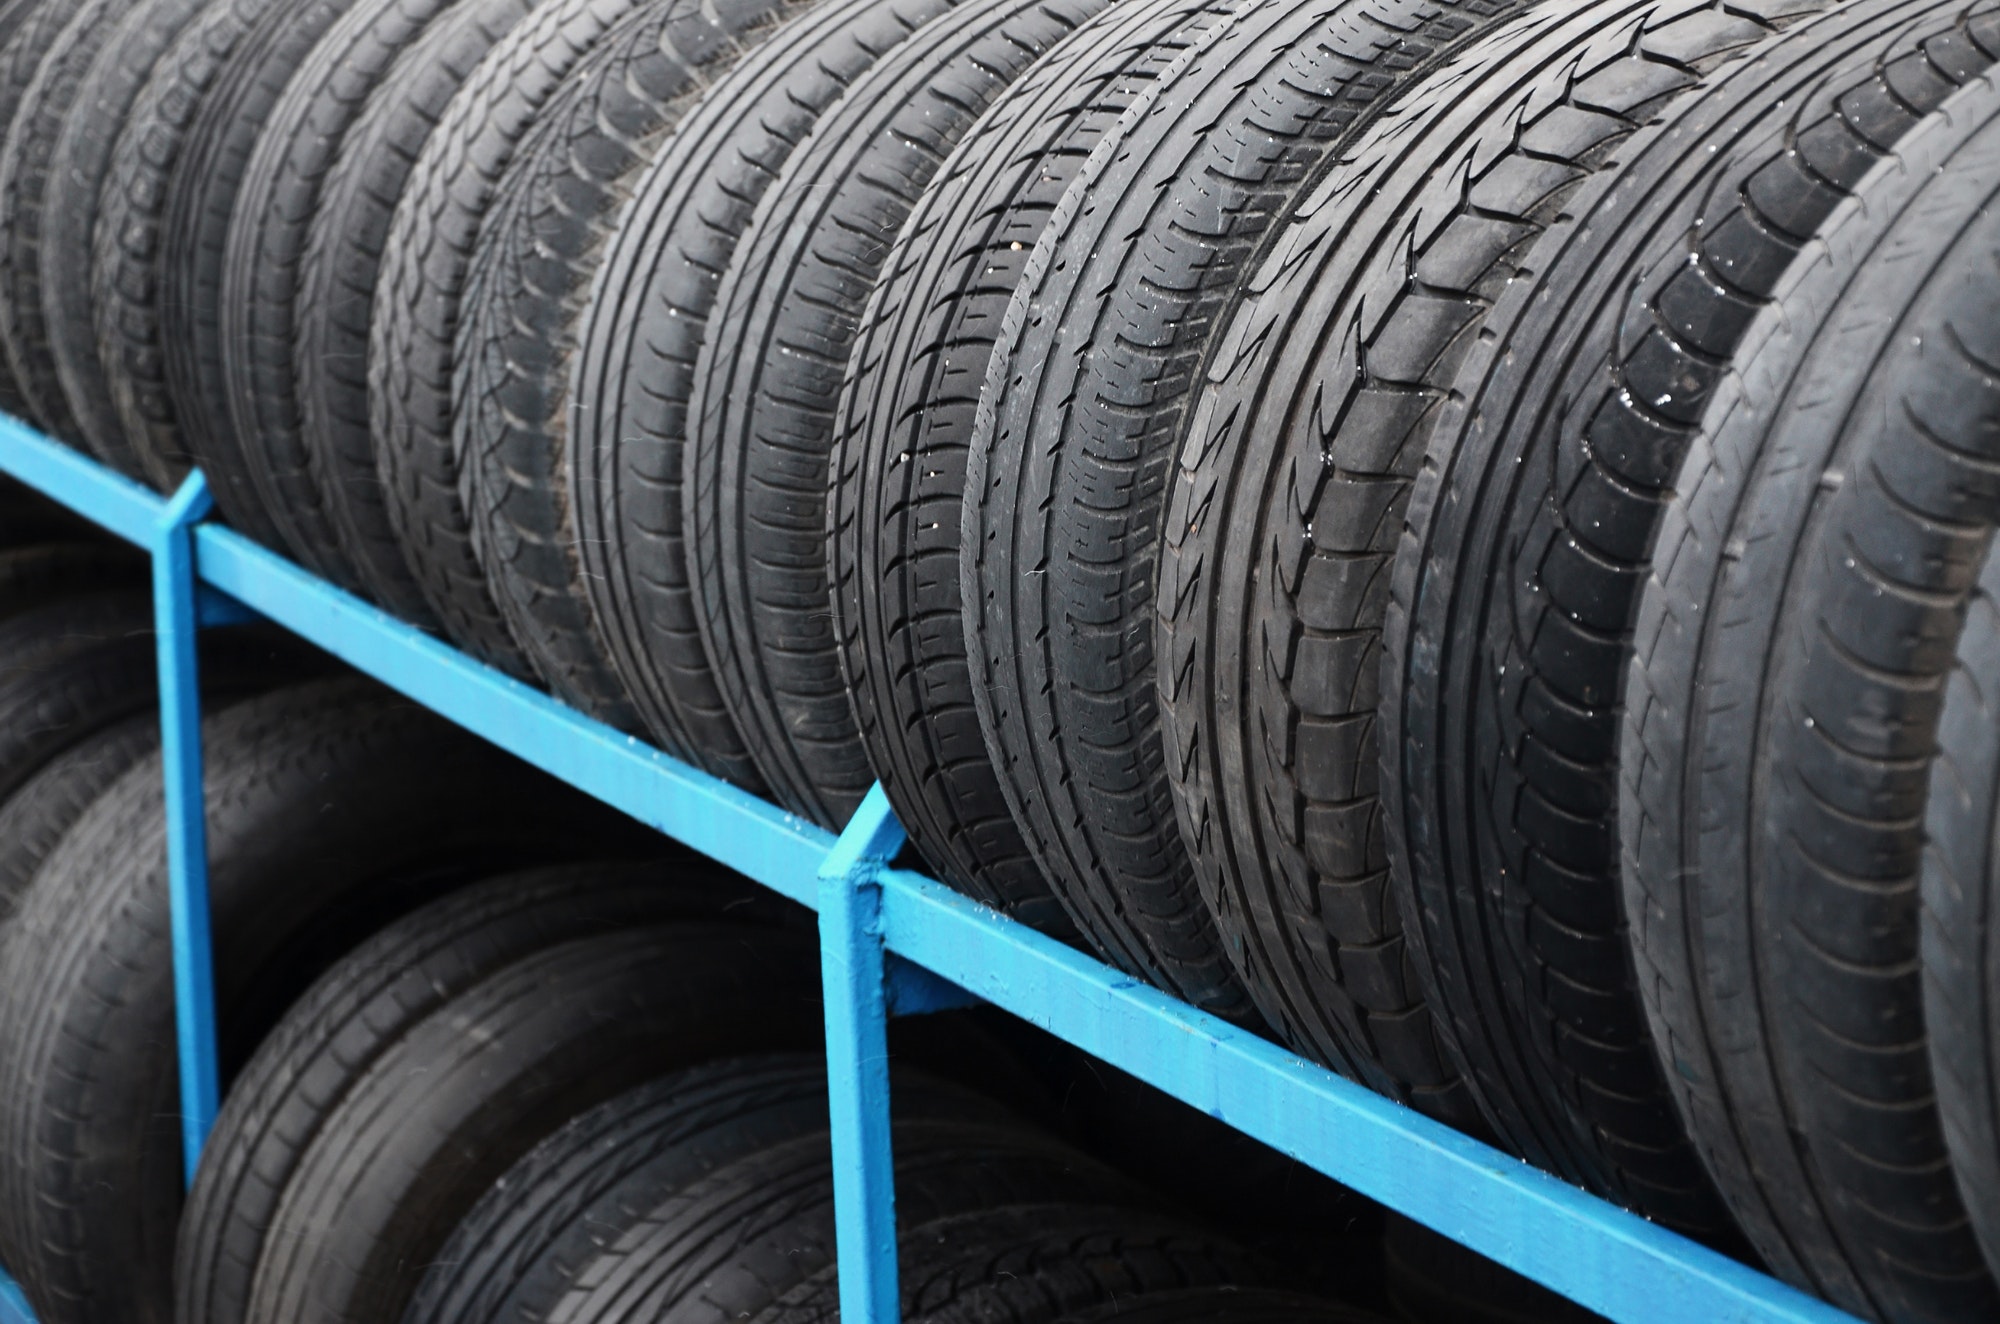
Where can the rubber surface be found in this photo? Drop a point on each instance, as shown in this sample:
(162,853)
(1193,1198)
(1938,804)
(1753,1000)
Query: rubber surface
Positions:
(338,276)
(1084,400)
(331,808)
(265,466)
(531,273)
(1223,1305)
(1961,871)
(518,1251)
(83,154)
(648,317)
(1792,647)
(1564,426)
(420,301)
(295,1086)
(1434,1280)
(27,31)
(56,64)
(139,237)
(38,812)
(905,416)
(479,1082)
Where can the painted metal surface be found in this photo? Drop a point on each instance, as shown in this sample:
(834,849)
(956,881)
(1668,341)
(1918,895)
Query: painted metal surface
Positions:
(14,1308)
(894,941)
(175,624)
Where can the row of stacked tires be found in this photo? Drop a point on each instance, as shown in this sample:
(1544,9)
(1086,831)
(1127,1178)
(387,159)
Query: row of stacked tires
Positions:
(1451,531)
(494,1053)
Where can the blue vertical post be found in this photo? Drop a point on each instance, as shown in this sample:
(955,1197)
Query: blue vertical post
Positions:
(14,1308)
(175,592)
(852,967)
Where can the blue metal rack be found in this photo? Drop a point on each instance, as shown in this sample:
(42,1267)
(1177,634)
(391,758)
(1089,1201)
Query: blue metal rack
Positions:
(892,942)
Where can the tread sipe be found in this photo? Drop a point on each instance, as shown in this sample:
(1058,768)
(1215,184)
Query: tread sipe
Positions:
(531,273)
(767,384)
(1526,541)
(1793,646)
(646,321)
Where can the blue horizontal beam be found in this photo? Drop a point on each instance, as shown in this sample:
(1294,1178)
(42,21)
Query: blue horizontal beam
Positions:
(733,827)
(85,486)
(1582,1247)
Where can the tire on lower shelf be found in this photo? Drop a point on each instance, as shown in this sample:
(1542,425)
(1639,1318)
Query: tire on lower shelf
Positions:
(37,814)
(1034,1262)
(1793,647)
(517,1252)
(448,1107)
(332,807)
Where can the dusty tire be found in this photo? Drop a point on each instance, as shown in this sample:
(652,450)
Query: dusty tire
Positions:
(104,101)
(25,159)
(27,32)
(1792,649)
(647,320)
(898,463)
(263,469)
(361,1008)
(531,274)
(339,486)
(332,807)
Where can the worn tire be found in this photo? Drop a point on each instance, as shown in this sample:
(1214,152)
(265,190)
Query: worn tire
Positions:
(35,817)
(1961,873)
(331,808)
(45,100)
(420,304)
(647,319)
(898,462)
(1084,398)
(1526,540)
(27,31)
(531,273)
(1793,644)
(264,469)
(339,486)
(71,209)
(298,1090)
(767,384)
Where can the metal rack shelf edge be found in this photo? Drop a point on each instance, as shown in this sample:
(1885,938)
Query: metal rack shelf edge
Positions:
(892,942)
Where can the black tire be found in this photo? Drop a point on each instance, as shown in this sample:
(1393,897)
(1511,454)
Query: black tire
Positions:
(516,1254)
(332,808)
(1961,872)
(1434,1280)
(530,276)
(767,385)
(260,466)
(898,463)
(294,1089)
(25,159)
(420,304)
(136,244)
(35,817)
(71,667)
(1509,624)
(40,573)
(641,336)
(738,1240)
(203,191)
(450,1107)
(1063,500)
(71,209)
(29,31)
(1792,650)
(1032,1263)
(333,315)
(1226,1305)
